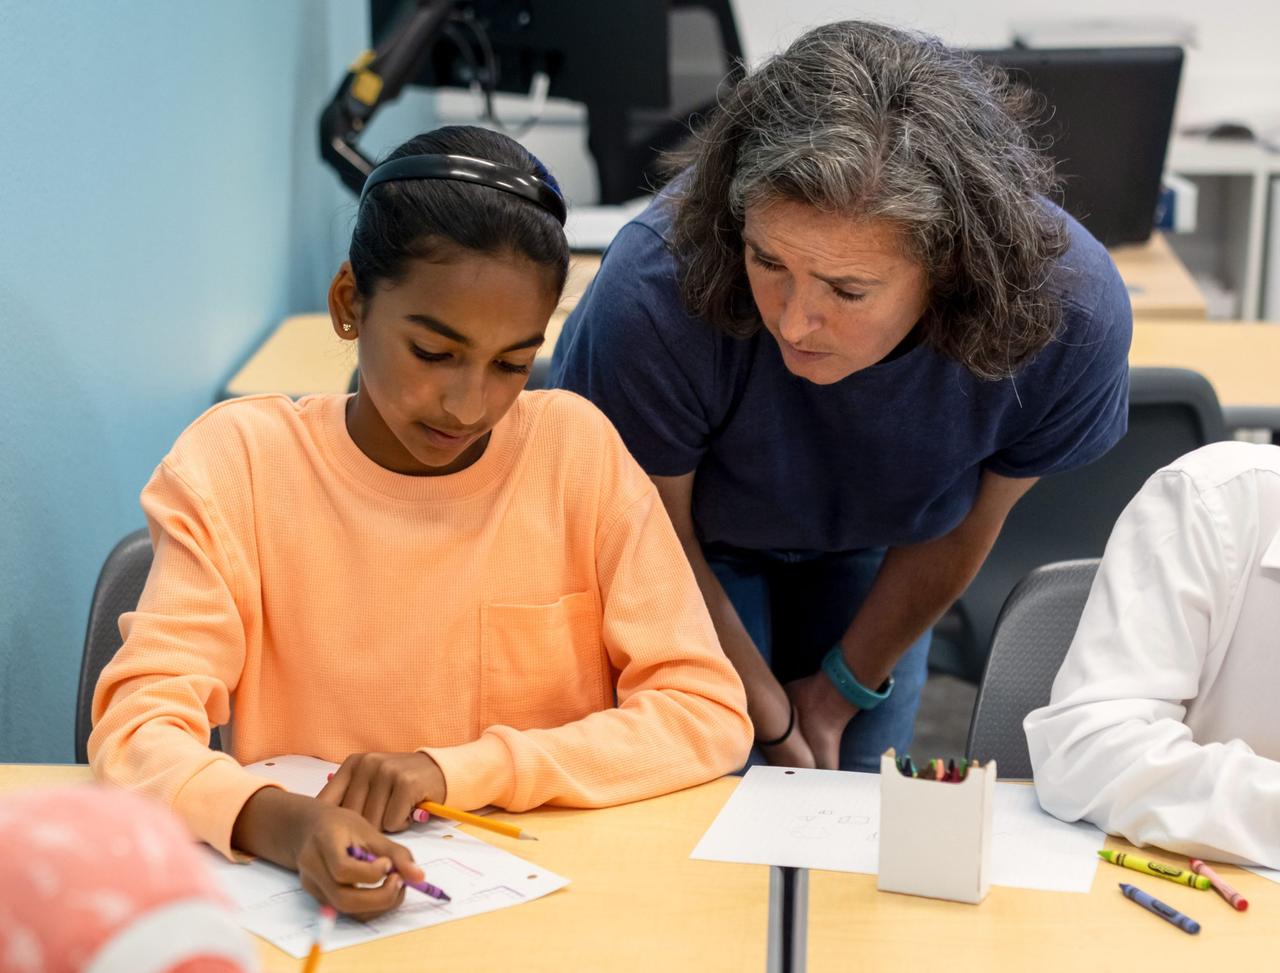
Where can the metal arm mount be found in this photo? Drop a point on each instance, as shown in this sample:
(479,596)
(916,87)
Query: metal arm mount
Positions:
(376,77)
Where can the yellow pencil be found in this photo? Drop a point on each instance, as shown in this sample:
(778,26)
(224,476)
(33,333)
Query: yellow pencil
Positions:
(464,817)
(328,915)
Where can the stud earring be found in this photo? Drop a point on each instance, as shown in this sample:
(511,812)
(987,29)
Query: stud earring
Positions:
(346,325)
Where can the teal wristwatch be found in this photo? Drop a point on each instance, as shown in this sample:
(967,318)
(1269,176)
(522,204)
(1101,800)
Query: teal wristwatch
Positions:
(847,684)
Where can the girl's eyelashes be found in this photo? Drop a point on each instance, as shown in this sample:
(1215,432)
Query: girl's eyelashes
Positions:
(846,296)
(509,368)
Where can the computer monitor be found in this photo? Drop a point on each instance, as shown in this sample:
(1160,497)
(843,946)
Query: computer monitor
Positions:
(1107,119)
(642,68)
(611,55)
(617,45)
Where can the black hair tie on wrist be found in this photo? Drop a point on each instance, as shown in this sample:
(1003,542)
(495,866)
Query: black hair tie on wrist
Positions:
(791,725)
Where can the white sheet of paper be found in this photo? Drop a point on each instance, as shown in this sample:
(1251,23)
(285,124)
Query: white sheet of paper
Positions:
(831,820)
(1271,873)
(297,774)
(478,877)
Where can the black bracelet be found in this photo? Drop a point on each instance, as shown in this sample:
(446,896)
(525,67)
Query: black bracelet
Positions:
(791,725)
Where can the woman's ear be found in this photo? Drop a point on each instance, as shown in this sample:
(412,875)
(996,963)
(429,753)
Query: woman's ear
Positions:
(344,303)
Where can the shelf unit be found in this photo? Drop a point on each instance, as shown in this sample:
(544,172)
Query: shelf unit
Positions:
(1235,181)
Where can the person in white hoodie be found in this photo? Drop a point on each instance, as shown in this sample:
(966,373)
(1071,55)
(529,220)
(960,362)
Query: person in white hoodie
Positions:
(1164,721)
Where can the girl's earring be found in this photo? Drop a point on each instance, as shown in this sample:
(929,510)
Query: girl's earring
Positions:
(346,325)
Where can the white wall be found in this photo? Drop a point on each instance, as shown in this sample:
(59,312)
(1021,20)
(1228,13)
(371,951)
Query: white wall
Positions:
(1232,72)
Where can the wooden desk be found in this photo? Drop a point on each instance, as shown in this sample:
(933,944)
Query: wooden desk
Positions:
(303,355)
(636,902)
(851,925)
(1160,286)
(1240,360)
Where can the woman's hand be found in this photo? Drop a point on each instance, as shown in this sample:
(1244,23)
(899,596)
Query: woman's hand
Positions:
(821,716)
(312,838)
(385,787)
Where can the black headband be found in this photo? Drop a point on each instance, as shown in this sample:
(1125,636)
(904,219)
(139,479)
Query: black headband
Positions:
(464,168)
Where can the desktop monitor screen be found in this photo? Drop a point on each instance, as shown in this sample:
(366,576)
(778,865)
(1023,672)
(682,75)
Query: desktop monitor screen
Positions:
(614,48)
(1107,119)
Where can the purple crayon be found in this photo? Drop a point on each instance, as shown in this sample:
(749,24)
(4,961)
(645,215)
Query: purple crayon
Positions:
(426,888)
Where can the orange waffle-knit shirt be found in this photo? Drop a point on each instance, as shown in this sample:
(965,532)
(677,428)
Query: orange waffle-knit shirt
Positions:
(531,622)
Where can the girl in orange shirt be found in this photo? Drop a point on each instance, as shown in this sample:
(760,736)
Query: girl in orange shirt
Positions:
(458,591)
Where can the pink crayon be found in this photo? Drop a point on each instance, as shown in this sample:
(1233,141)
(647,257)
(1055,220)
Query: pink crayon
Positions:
(1238,901)
(426,888)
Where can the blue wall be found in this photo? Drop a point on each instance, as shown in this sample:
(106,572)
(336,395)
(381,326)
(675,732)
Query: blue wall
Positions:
(161,207)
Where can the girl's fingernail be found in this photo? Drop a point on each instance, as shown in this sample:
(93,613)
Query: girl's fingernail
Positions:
(397,881)
(420,815)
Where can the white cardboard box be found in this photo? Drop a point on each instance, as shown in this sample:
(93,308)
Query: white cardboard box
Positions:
(935,837)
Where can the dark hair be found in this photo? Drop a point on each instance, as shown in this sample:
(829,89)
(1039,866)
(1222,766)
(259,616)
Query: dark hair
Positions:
(881,123)
(431,219)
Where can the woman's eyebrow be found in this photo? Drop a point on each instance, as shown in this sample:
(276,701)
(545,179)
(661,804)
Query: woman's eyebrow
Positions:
(842,280)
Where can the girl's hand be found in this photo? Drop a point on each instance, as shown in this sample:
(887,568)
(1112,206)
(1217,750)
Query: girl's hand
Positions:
(794,751)
(312,838)
(384,788)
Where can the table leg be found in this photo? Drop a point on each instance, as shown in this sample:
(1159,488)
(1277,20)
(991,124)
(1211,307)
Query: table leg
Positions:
(800,921)
(788,919)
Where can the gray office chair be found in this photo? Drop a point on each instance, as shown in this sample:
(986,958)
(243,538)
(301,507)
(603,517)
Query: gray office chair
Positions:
(1068,516)
(119,586)
(1031,638)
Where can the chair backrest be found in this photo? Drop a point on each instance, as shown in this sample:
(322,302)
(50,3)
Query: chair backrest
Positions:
(119,586)
(1172,411)
(1032,636)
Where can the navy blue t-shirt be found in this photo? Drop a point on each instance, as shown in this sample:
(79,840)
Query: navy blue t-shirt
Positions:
(890,455)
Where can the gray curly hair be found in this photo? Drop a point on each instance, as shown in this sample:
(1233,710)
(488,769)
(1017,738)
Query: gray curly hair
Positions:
(887,124)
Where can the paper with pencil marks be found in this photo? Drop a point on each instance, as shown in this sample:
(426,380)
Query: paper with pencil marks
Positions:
(478,877)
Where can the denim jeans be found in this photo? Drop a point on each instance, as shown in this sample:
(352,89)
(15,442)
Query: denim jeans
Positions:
(795,605)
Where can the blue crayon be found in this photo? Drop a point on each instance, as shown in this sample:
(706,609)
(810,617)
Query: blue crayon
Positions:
(1166,912)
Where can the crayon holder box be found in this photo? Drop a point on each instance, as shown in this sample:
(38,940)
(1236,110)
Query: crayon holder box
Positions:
(935,836)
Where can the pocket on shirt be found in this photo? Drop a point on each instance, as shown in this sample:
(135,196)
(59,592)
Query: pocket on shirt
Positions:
(541,665)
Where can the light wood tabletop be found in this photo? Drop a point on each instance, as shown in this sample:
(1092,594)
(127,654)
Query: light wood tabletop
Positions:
(1241,360)
(636,901)
(851,924)
(1160,286)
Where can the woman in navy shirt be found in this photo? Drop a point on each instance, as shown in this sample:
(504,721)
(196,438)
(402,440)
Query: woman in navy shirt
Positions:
(843,342)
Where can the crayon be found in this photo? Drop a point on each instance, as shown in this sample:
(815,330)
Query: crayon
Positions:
(426,888)
(1158,869)
(1166,912)
(1238,901)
